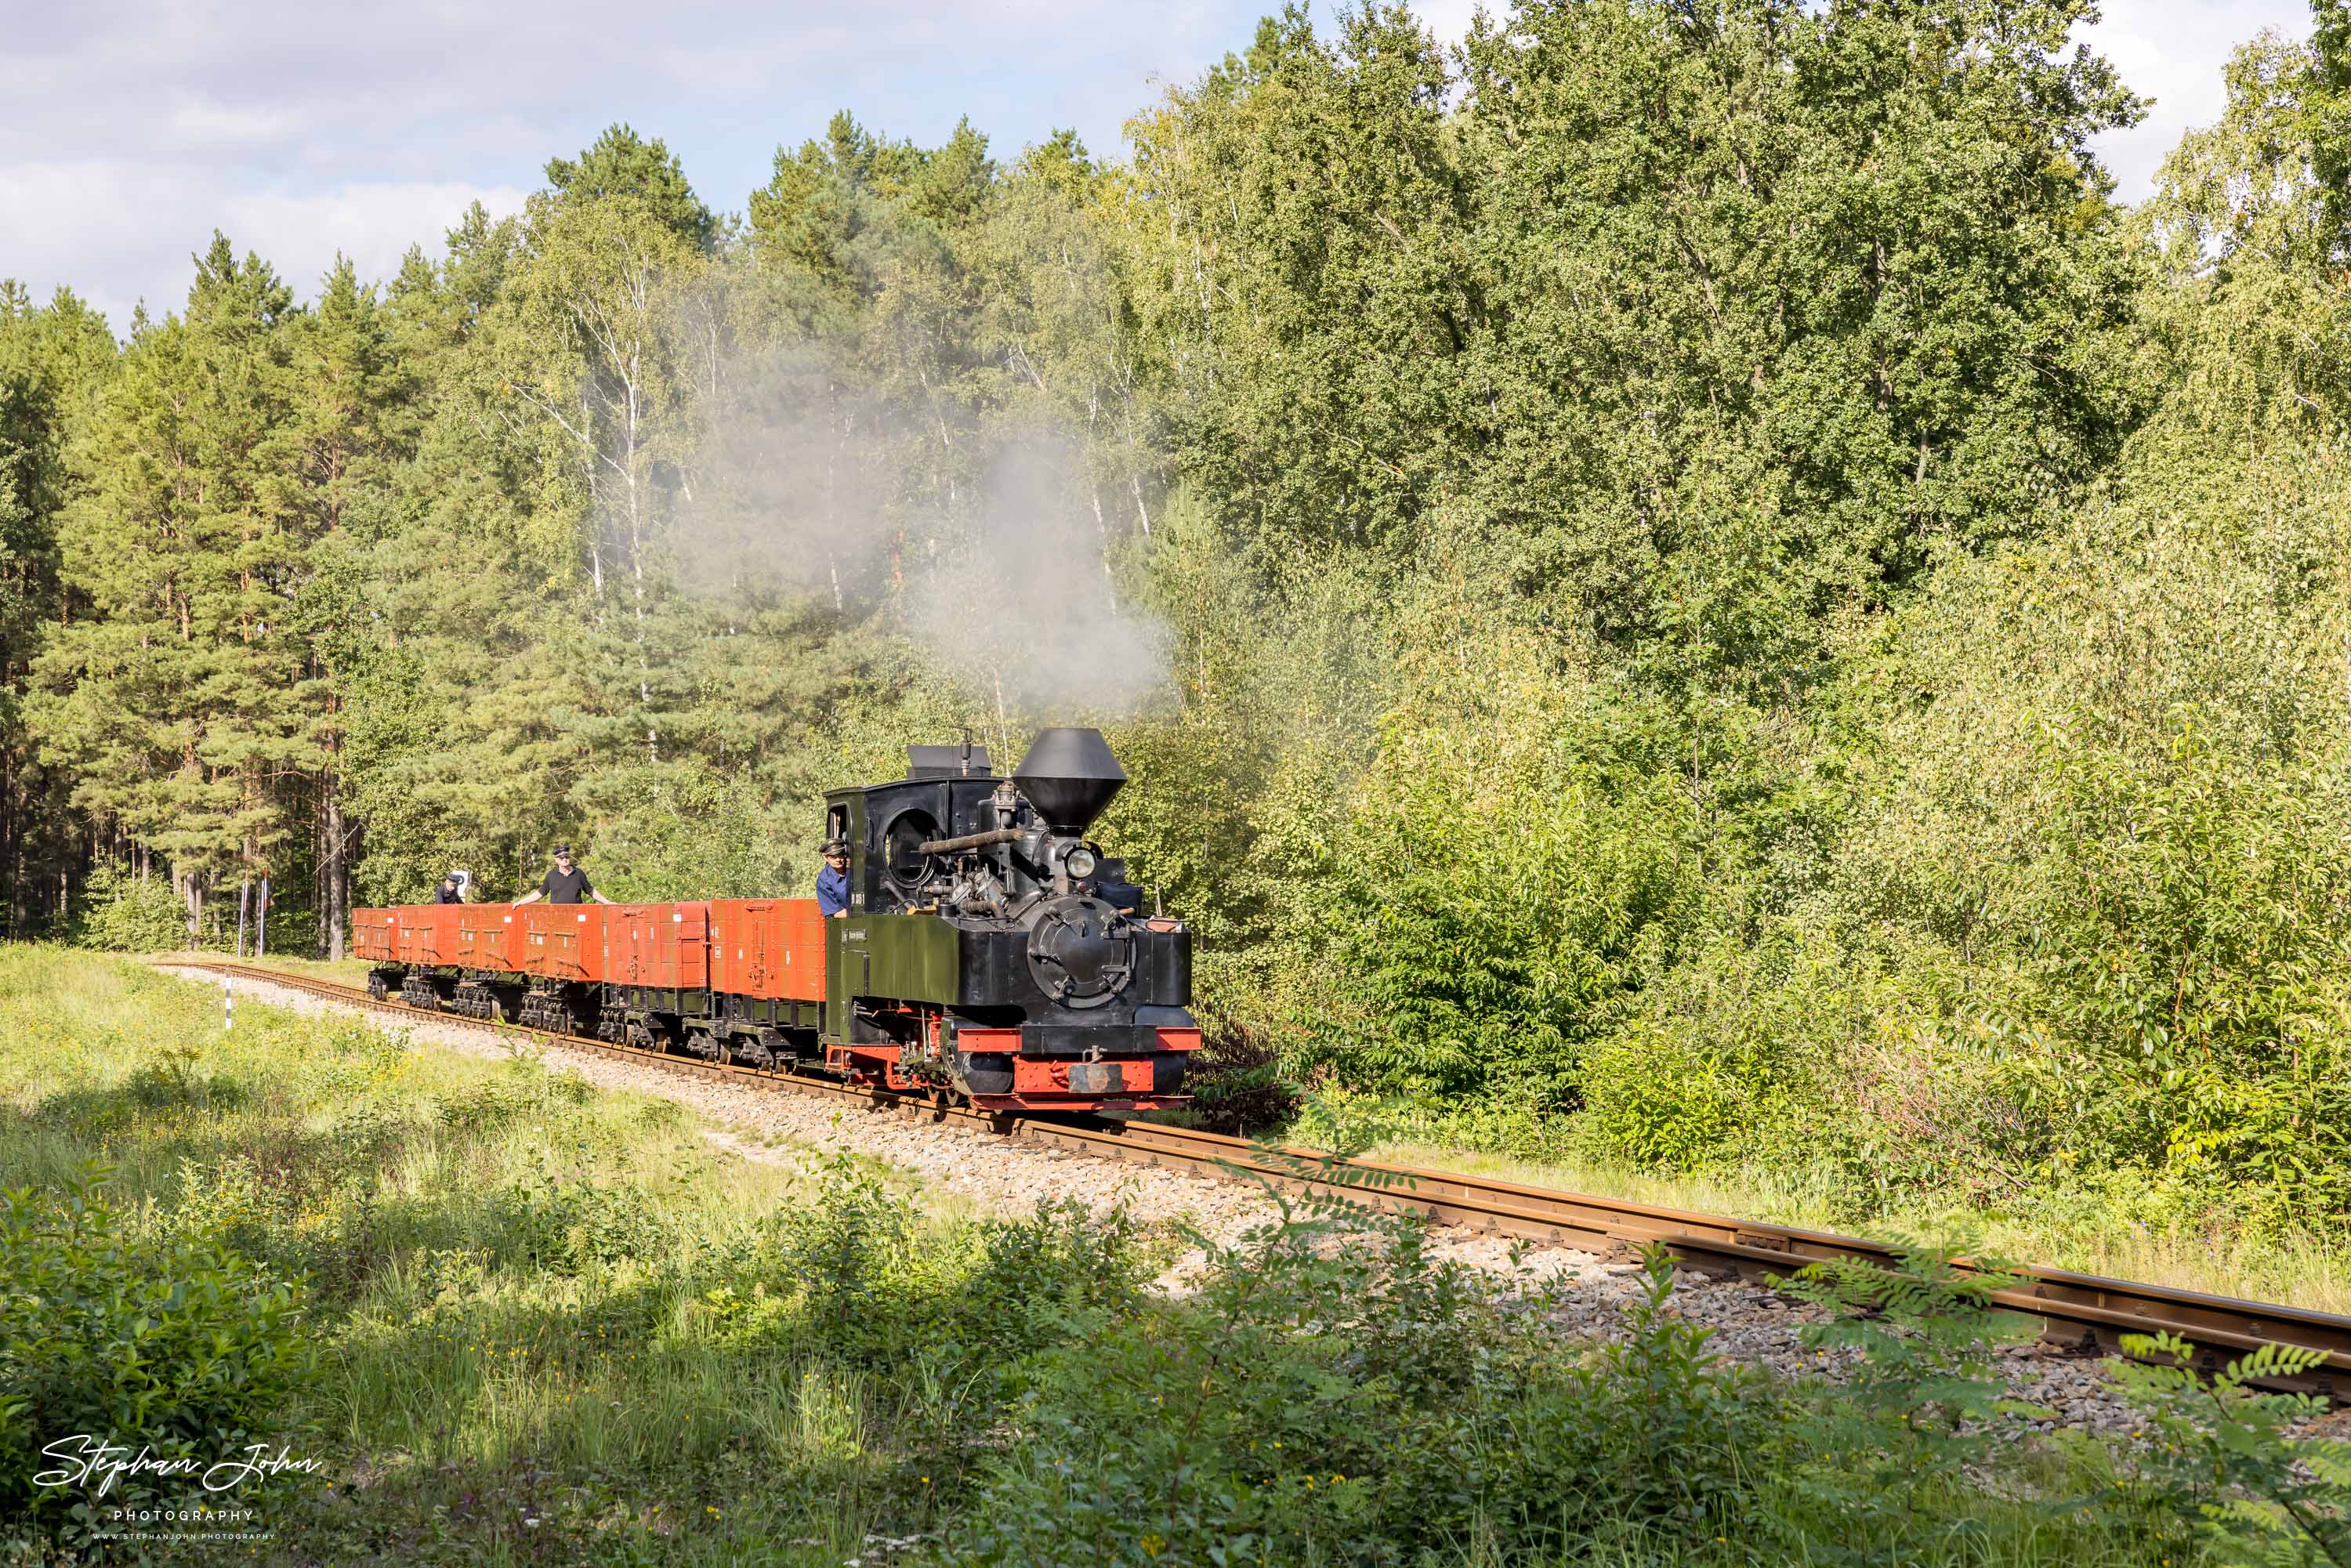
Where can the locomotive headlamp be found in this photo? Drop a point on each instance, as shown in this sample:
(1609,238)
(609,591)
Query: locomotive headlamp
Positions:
(1079,861)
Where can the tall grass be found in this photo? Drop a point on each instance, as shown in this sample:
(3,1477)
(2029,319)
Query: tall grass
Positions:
(507,1271)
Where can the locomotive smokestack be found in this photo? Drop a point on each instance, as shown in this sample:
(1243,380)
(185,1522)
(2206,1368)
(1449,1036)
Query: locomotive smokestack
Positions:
(1069,776)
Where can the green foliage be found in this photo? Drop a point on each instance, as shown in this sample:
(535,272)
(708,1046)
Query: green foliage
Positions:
(535,1302)
(184,1348)
(624,166)
(848,1270)
(126,912)
(1926,1330)
(2217,1451)
(1333,1386)
(1724,602)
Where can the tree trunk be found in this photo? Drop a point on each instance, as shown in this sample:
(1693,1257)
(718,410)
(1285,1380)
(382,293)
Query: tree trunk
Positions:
(336,891)
(193,887)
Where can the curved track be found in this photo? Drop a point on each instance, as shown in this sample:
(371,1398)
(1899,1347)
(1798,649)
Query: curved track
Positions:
(2079,1310)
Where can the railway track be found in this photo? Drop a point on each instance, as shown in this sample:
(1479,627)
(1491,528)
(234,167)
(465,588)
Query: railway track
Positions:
(2083,1311)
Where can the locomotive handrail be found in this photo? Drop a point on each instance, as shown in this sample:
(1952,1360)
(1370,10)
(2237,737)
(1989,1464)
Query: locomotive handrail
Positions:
(970,841)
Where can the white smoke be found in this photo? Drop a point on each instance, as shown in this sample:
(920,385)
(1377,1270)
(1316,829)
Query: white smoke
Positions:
(1023,599)
(990,551)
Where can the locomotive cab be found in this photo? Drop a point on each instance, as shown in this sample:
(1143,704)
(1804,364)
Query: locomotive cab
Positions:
(979,952)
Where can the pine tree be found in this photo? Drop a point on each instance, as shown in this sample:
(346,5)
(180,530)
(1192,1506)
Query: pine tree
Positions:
(185,704)
(624,164)
(53,360)
(349,392)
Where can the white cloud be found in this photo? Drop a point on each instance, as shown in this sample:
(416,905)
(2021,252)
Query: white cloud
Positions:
(372,224)
(144,222)
(136,127)
(2173,51)
(1449,19)
(195,122)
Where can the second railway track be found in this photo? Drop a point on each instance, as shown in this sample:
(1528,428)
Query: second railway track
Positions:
(2082,1309)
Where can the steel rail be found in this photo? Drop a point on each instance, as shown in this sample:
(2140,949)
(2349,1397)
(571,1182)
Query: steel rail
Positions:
(2080,1311)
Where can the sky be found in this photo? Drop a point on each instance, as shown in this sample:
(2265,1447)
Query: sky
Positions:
(302,128)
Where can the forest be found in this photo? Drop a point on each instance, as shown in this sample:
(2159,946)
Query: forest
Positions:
(1681,581)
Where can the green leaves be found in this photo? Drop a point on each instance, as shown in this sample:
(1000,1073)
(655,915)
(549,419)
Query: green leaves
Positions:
(134,1338)
(2218,1451)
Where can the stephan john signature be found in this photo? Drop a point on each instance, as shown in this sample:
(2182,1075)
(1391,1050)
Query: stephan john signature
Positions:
(83,1457)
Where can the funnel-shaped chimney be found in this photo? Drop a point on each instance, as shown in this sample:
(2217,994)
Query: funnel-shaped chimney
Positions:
(1069,776)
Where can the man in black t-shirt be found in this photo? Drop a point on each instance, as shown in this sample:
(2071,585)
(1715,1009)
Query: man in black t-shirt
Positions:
(567,884)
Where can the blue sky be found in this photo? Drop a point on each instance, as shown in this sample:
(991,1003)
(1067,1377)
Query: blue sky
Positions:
(302,126)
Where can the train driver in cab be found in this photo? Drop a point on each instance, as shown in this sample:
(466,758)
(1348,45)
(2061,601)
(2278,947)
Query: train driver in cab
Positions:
(832,882)
(566,883)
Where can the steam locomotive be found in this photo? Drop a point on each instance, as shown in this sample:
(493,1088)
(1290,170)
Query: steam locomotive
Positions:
(981,956)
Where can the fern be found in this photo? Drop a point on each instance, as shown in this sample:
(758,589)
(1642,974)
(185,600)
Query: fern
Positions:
(2221,1454)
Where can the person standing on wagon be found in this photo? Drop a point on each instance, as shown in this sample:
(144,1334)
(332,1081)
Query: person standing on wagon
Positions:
(566,883)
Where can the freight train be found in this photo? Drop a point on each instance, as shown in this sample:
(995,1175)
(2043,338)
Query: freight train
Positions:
(978,959)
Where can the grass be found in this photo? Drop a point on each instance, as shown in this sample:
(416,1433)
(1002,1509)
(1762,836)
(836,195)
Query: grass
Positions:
(504,1261)
(551,1323)
(2091,1233)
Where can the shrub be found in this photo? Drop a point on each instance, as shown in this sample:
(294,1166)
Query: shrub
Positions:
(1334,1392)
(1656,1099)
(127,914)
(1236,1082)
(849,1273)
(178,1346)
(2223,1458)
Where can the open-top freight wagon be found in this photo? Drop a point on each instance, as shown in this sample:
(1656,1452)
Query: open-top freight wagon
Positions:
(983,953)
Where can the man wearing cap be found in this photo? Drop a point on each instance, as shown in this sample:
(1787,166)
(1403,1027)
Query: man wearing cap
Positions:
(450,892)
(567,884)
(832,882)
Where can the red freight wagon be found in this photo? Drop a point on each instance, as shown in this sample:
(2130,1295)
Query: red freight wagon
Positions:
(562,941)
(486,937)
(663,945)
(427,935)
(376,935)
(768,947)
